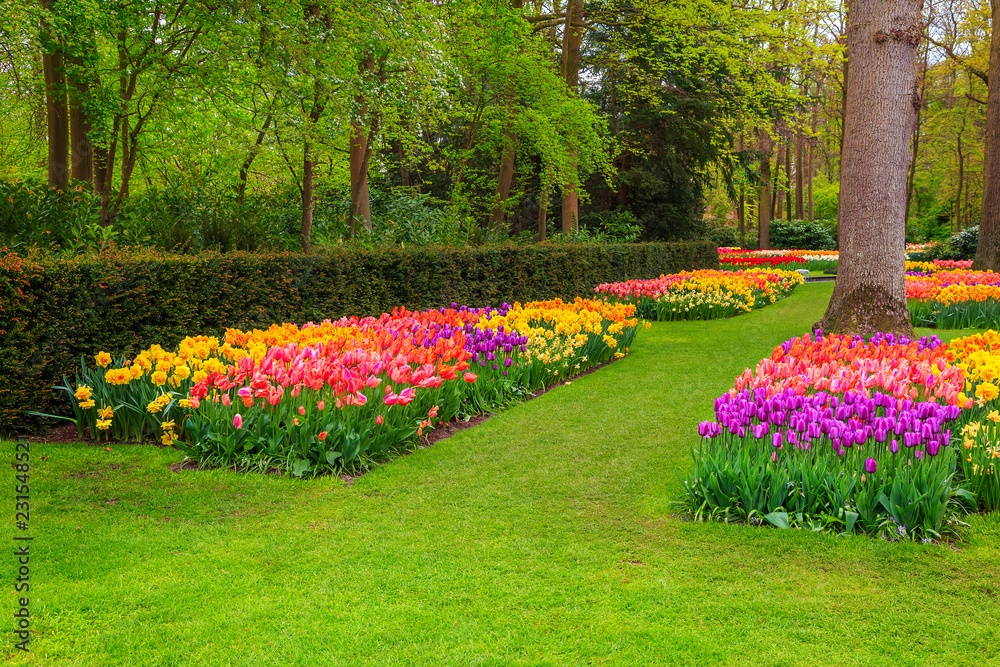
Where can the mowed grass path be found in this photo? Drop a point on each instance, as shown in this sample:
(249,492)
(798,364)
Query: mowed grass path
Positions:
(548,535)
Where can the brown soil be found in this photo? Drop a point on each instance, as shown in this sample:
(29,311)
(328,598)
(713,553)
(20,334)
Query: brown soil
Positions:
(67,433)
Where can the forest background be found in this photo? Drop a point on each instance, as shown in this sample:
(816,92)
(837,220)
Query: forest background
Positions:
(196,125)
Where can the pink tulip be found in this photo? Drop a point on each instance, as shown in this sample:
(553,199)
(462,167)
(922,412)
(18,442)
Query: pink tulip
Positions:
(225,399)
(379,420)
(302,410)
(320,405)
(238,421)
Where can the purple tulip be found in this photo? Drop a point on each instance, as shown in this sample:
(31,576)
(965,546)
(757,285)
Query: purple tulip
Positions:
(871,466)
(894,446)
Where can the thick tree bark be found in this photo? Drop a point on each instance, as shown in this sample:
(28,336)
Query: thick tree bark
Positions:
(764,205)
(572,39)
(882,98)
(56,108)
(988,252)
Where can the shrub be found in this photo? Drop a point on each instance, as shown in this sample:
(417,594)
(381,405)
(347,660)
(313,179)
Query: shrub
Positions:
(128,300)
(802,235)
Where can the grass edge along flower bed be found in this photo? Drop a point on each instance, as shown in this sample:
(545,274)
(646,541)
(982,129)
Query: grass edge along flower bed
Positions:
(342,394)
(835,433)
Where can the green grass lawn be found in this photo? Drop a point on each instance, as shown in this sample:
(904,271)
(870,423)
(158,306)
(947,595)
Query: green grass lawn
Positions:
(548,535)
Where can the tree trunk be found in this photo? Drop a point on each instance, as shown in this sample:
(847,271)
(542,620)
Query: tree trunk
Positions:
(811,171)
(308,165)
(799,178)
(961,181)
(360,199)
(80,126)
(764,206)
(572,39)
(988,252)
(404,172)
(741,218)
(506,175)
(56,109)
(251,156)
(776,195)
(870,292)
(100,167)
(788,179)
(543,213)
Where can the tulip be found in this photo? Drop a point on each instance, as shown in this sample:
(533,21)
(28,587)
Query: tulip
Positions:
(470,377)
(871,465)
(238,421)
(322,436)
(302,410)
(379,420)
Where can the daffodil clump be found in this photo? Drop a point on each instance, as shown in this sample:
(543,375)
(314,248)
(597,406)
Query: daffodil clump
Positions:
(947,296)
(978,356)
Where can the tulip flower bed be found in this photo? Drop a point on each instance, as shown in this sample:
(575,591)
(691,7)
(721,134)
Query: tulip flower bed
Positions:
(702,295)
(952,299)
(340,394)
(745,262)
(835,433)
(811,260)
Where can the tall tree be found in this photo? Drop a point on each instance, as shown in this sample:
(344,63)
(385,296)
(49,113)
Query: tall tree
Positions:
(572,40)
(57,109)
(988,251)
(882,99)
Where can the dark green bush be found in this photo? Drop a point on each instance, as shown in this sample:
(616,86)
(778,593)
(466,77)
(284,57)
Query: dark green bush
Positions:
(55,310)
(802,235)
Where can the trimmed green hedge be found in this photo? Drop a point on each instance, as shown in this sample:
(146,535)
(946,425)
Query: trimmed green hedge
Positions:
(56,310)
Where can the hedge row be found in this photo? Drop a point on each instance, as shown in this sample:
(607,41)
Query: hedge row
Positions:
(54,311)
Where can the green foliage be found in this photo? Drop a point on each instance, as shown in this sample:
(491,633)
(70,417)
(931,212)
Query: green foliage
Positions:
(826,197)
(802,235)
(721,234)
(32,213)
(812,489)
(127,300)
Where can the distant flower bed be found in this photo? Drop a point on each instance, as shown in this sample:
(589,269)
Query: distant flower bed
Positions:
(342,393)
(946,298)
(744,262)
(938,265)
(704,294)
(836,433)
(811,260)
